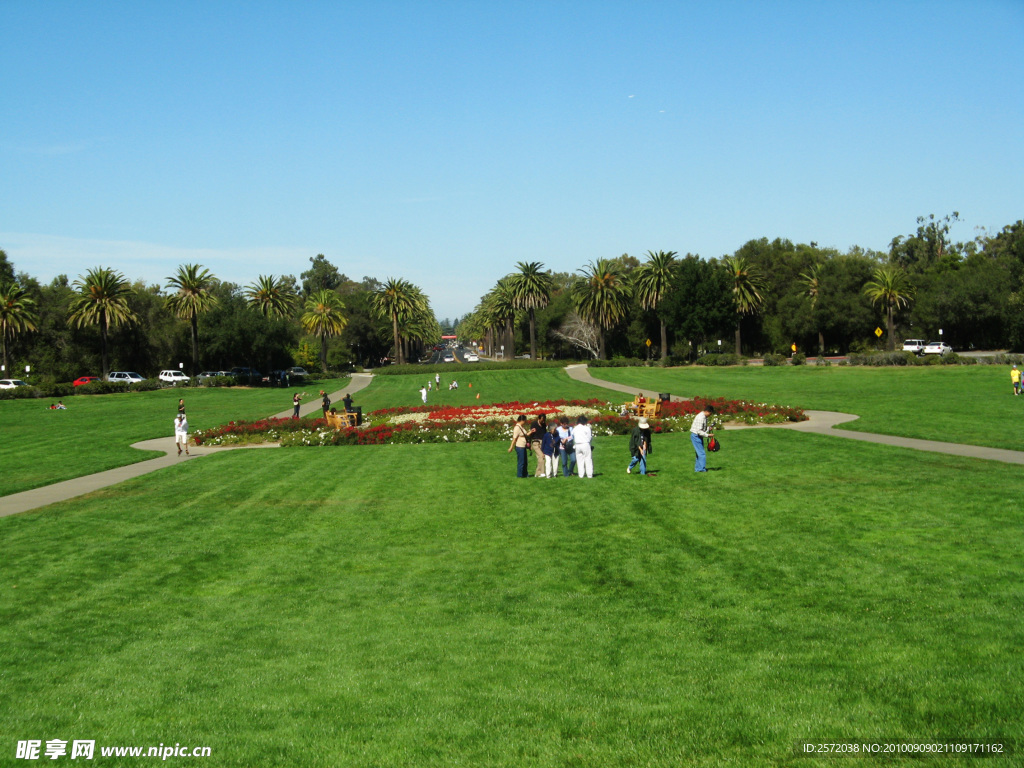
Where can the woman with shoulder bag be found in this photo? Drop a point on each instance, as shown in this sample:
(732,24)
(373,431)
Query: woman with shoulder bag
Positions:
(519,442)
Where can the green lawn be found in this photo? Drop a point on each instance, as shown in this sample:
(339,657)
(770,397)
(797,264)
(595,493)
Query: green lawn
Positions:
(955,404)
(41,446)
(299,607)
(493,387)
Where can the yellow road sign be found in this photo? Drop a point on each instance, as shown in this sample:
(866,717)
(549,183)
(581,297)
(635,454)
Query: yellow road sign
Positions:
(878,332)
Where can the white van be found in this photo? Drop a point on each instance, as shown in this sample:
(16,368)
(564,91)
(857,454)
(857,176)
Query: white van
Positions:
(173,377)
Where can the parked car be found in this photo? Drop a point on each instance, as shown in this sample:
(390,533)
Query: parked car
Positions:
(125,377)
(84,380)
(11,383)
(210,375)
(915,345)
(239,372)
(174,377)
(937,348)
(297,372)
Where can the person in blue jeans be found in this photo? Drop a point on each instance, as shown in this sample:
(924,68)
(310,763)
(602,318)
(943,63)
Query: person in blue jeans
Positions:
(519,443)
(639,446)
(565,447)
(698,431)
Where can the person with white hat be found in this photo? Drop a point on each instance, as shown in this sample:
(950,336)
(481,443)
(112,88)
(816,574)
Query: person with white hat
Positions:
(639,446)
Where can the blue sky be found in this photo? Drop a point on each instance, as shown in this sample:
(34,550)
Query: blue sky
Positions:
(444,141)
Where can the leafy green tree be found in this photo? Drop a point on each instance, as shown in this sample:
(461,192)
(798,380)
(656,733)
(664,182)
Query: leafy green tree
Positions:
(531,289)
(324,317)
(193,286)
(929,247)
(17,315)
(272,296)
(891,288)
(747,285)
(6,269)
(321,276)
(602,297)
(102,300)
(699,306)
(652,282)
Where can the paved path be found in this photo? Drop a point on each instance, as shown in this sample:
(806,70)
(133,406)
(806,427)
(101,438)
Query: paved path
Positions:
(79,486)
(824,423)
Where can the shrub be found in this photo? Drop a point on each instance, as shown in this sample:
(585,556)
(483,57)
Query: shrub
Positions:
(619,362)
(442,368)
(721,358)
(218,381)
(772,359)
(799,358)
(20,393)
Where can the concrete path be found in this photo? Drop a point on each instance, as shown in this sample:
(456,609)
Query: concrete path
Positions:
(79,486)
(824,423)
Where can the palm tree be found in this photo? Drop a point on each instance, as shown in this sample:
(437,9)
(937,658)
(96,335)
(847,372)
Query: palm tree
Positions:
(272,296)
(193,285)
(324,318)
(500,303)
(531,288)
(17,314)
(102,300)
(602,297)
(652,281)
(811,280)
(397,300)
(891,287)
(747,284)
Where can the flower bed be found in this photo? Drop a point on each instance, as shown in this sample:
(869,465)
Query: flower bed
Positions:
(430,424)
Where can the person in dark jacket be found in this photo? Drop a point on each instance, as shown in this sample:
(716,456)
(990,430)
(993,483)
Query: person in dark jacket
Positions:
(640,446)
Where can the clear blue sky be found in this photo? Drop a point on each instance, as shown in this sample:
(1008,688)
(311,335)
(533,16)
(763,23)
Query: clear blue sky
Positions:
(444,141)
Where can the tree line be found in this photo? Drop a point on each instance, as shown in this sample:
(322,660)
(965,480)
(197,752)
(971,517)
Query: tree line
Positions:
(102,322)
(765,298)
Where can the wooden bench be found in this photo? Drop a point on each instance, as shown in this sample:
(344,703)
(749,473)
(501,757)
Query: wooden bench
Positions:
(339,420)
(650,410)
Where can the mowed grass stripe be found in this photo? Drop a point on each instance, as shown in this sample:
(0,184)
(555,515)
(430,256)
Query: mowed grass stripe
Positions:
(401,605)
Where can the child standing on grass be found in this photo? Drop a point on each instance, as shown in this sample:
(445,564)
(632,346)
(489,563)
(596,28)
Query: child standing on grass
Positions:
(549,447)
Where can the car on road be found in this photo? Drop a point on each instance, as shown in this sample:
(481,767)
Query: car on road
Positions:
(937,348)
(915,345)
(173,377)
(84,380)
(449,358)
(11,383)
(125,377)
(472,357)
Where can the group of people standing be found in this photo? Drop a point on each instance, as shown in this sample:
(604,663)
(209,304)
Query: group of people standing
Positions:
(553,444)
(572,446)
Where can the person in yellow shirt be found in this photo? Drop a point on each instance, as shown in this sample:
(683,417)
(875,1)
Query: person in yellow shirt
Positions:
(1015,378)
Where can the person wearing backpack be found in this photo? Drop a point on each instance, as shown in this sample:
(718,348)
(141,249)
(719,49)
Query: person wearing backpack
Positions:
(639,446)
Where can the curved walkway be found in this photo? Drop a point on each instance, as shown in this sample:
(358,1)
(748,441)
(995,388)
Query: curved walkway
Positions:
(79,486)
(824,423)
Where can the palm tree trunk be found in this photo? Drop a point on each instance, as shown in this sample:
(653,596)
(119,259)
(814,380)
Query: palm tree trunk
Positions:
(600,345)
(821,343)
(510,338)
(891,327)
(3,337)
(103,346)
(323,352)
(195,344)
(664,341)
(738,320)
(394,332)
(533,335)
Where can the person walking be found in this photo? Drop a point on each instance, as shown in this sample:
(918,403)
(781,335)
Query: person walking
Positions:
(549,447)
(423,394)
(698,431)
(565,447)
(640,446)
(325,404)
(581,437)
(519,443)
(181,433)
(181,405)
(1015,379)
(296,399)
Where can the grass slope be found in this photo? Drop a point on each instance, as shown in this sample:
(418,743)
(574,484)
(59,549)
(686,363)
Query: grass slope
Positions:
(41,446)
(956,404)
(418,606)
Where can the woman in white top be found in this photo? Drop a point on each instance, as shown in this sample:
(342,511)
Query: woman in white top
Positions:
(582,435)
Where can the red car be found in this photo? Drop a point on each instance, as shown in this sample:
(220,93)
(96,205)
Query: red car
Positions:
(84,380)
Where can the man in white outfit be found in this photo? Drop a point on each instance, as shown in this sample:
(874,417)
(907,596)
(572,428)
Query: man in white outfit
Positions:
(181,433)
(582,435)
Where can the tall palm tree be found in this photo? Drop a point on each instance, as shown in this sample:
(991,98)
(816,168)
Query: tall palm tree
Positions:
(17,315)
(747,284)
(502,304)
(652,281)
(531,287)
(811,280)
(102,300)
(602,297)
(891,287)
(397,300)
(324,317)
(193,296)
(271,296)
